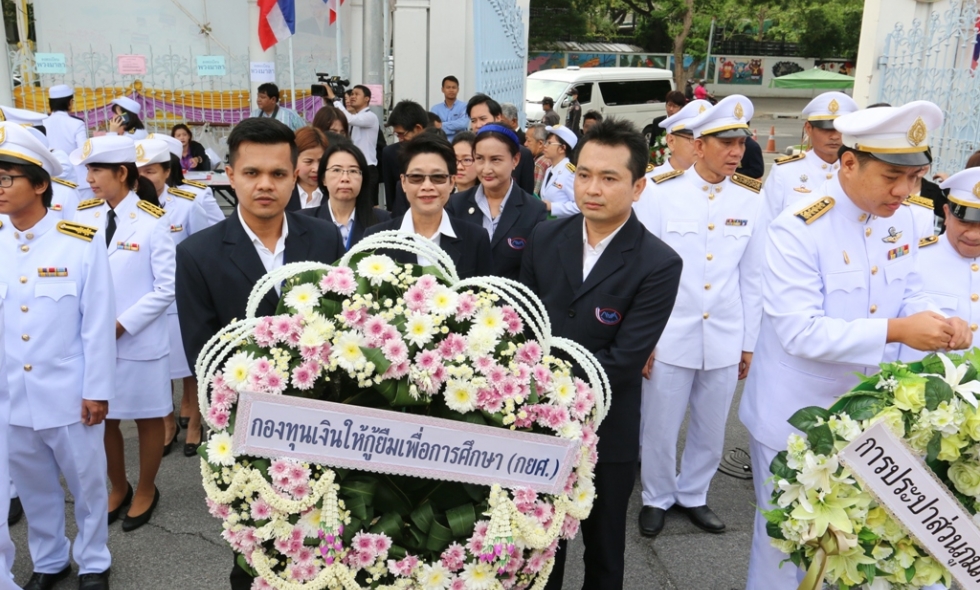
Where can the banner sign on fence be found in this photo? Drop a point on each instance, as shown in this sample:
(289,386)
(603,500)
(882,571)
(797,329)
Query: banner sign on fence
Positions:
(927,510)
(131,65)
(377,94)
(211,65)
(49,63)
(385,441)
(263,71)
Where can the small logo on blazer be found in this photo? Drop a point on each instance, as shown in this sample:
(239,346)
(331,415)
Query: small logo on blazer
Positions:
(517,243)
(607,316)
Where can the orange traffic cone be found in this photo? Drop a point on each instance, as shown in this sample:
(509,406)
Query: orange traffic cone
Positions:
(771,144)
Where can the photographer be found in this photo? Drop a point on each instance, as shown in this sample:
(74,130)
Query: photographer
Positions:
(267,100)
(364,127)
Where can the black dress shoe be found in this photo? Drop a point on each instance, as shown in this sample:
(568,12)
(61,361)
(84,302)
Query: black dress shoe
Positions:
(183,421)
(170,445)
(94,581)
(16,512)
(131,523)
(652,521)
(704,519)
(190,449)
(114,514)
(40,581)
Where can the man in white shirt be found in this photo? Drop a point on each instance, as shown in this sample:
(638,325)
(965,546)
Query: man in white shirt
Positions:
(364,126)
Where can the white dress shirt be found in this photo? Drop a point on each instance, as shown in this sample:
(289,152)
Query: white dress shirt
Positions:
(590,255)
(307,200)
(271,260)
(445,229)
(489,221)
(364,127)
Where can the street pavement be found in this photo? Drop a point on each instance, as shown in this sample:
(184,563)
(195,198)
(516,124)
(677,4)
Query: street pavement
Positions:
(181,547)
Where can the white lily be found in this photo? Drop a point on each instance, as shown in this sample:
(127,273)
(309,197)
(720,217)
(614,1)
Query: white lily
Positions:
(953,377)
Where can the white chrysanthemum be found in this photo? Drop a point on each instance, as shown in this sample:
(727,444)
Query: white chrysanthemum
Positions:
(443,301)
(563,391)
(309,523)
(434,577)
(377,269)
(418,329)
(570,430)
(311,337)
(480,342)
(320,324)
(460,396)
(303,297)
(584,492)
(219,449)
(347,350)
(238,368)
(490,318)
(478,576)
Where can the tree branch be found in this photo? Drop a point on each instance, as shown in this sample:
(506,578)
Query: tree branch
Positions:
(635,5)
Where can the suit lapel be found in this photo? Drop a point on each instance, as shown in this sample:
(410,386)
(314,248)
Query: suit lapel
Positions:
(452,246)
(245,257)
(570,254)
(509,216)
(612,259)
(297,245)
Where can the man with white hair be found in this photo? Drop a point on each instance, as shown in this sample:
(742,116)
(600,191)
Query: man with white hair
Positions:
(511,118)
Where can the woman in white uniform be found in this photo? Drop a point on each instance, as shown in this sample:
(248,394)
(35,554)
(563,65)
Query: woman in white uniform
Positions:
(142,260)
(127,118)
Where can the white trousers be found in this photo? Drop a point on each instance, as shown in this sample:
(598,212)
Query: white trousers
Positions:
(764,570)
(78,453)
(666,399)
(6,545)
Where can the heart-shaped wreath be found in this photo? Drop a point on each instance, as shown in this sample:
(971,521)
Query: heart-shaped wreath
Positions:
(828,523)
(404,338)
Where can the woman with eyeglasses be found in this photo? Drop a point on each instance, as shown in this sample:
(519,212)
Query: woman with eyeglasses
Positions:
(428,165)
(463,143)
(342,171)
(558,188)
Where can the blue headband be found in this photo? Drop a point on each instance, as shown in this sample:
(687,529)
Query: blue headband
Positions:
(502,130)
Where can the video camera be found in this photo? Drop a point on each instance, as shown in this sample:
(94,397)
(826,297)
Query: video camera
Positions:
(336,83)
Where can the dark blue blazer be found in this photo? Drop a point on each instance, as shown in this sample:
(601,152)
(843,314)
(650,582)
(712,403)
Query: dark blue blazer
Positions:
(357,232)
(618,312)
(469,250)
(521,213)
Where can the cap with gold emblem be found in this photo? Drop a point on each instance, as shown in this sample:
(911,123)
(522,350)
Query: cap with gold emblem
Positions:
(21,116)
(895,135)
(105,149)
(176,148)
(676,124)
(566,134)
(152,151)
(964,194)
(19,146)
(823,109)
(729,118)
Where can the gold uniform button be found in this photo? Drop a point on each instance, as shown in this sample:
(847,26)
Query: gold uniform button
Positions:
(710,257)
(707,287)
(711,197)
(23,308)
(29,236)
(867,232)
(24,248)
(705,316)
(23,279)
(973,327)
(28,368)
(874,308)
(711,226)
(25,337)
(974,297)
(974,267)
(874,270)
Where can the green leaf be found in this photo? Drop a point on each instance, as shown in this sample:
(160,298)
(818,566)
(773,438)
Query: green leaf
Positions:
(774,531)
(376,356)
(807,418)
(775,516)
(403,397)
(328,308)
(932,364)
(821,439)
(861,407)
(970,375)
(867,536)
(390,524)
(475,492)
(935,445)
(461,520)
(532,397)
(910,573)
(423,517)
(972,356)
(779,468)
(937,391)
(439,537)
(240,560)
(397,552)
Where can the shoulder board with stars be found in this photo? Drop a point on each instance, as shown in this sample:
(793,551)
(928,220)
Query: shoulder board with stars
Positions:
(182,193)
(928,241)
(815,210)
(89,203)
(746,182)
(920,201)
(151,209)
(195,183)
(570,166)
(788,159)
(666,176)
(650,167)
(64,182)
(77,230)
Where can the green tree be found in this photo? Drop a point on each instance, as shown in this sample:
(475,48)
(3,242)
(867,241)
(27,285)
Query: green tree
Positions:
(557,20)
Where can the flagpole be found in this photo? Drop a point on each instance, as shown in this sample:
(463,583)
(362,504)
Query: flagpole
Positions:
(340,47)
(292,75)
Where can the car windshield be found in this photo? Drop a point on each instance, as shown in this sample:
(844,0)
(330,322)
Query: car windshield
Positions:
(538,89)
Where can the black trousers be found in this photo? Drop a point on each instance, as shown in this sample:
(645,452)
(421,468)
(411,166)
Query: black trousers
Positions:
(372,185)
(240,580)
(604,532)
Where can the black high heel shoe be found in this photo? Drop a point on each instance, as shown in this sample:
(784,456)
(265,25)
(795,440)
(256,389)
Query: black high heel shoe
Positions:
(114,514)
(169,446)
(190,449)
(131,523)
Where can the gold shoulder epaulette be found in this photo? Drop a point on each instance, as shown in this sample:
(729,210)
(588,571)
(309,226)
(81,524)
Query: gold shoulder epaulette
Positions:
(650,167)
(815,210)
(920,201)
(195,183)
(77,230)
(746,182)
(181,193)
(64,182)
(151,209)
(89,203)
(928,241)
(570,166)
(667,176)
(793,158)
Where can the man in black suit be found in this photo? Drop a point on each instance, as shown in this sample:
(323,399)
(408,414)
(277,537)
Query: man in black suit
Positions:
(483,110)
(217,267)
(406,120)
(609,285)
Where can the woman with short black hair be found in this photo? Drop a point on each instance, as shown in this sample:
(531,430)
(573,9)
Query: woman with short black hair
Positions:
(193,156)
(127,118)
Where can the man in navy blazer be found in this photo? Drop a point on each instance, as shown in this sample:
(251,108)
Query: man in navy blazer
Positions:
(609,285)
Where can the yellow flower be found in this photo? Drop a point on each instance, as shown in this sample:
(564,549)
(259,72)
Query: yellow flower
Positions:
(965,476)
(950,447)
(876,519)
(892,417)
(844,567)
(971,427)
(927,571)
(910,395)
(825,510)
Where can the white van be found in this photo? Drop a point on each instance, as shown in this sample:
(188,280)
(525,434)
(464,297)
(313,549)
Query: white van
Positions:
(635,94)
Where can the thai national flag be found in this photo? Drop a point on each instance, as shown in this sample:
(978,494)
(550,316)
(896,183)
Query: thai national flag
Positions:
(334,6)
(277,21)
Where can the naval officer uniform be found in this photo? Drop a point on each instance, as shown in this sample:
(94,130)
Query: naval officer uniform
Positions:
(677,125)
(558,187)
(6,545)
(835,276)
(714,227)
(203,193)
(60,345)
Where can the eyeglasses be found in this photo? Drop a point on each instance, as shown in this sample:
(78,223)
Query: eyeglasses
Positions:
(552,143)
(420,178)
(7,180)
(337,171)
(465,161)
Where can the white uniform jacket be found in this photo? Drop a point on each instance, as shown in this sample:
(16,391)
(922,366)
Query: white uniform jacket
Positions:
(64,198)
(923,214)
(205,196)
(558,189)
(186,217)
(714,229)
(829,288)
(796,180)
(143,258)
(64,132)
(60,336)
(654,171)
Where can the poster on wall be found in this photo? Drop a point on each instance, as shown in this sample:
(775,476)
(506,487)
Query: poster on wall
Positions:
(592,60)
(131,65)
(545,60)
(49,63)
(740,70)
(262,71)
(211,65)
(639,60)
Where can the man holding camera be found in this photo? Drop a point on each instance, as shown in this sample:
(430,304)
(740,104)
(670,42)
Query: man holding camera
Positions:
(267,99)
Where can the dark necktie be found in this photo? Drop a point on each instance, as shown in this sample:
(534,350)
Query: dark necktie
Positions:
(547,178)
(110,227)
